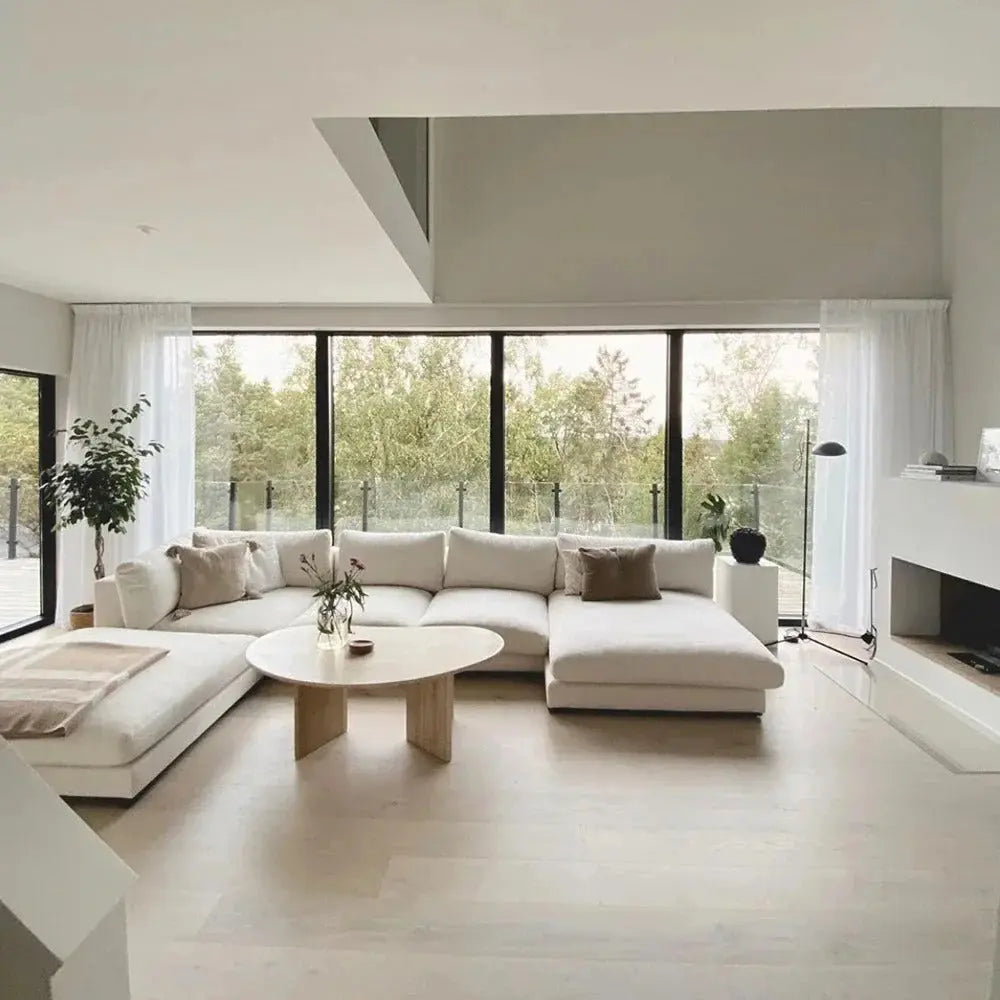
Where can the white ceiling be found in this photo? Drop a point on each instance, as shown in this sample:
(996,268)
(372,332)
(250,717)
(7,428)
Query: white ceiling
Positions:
(196,116)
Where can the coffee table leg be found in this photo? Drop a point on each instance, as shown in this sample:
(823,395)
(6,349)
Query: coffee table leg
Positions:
(320,716)
(429,712)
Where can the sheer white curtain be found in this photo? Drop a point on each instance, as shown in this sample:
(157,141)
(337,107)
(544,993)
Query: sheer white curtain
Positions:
(885,394)
(120,351)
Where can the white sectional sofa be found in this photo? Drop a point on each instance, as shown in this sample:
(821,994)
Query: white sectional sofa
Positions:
(680,653)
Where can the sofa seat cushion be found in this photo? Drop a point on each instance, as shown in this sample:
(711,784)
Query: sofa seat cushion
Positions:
(275,609)
(150,705)
(383,606)
(519,617)
(682,639)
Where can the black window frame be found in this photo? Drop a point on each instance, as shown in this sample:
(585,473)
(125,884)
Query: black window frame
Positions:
(326,414)
(47,519)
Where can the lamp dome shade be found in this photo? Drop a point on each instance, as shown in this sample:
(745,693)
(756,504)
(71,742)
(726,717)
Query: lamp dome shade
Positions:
(829,449)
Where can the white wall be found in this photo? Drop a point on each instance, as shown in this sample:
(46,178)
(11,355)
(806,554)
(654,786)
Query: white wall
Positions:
(713,207)
(971,237)
(36,333)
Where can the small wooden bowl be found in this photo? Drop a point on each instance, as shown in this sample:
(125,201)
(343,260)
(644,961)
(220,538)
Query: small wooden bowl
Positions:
(361,647)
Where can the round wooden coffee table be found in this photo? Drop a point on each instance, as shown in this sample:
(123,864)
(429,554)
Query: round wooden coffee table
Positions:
(423,660)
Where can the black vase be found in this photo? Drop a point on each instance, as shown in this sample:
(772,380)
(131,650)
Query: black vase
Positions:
(747,545)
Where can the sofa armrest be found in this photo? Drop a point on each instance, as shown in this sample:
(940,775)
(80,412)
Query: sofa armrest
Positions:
(107,606)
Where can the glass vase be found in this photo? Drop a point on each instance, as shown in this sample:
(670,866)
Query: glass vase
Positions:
(332,626)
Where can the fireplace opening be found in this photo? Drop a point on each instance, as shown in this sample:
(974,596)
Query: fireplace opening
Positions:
(961,616)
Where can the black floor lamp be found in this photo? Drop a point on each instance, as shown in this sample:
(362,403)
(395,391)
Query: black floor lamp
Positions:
(825,449)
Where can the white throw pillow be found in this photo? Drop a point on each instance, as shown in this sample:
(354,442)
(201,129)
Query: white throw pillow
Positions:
(507,562)
(291,545)
(264,573)
(395,559)
(573,569)
(680,565)
(149,588)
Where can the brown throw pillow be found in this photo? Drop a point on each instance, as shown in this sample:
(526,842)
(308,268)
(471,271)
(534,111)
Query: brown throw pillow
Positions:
(212,576)
(619,574)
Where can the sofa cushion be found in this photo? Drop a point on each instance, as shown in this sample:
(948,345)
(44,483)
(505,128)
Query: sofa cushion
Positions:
(142,711)
(265,565)
(683,639)
(396,559)
(383,606)
(276,609)
(291,546)
(520,618)
(149,587)
(687,565)
(507,562)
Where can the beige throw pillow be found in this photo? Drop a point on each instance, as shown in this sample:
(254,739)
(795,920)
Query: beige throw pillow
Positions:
(619,574)
(264,573)
(212,576)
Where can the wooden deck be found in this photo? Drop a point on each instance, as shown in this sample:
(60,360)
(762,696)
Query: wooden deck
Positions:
(20,586)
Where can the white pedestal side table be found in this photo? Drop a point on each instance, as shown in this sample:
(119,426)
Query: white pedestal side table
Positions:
(749,592)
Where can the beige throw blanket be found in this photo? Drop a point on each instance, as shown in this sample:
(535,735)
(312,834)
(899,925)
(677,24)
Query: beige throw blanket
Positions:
(45,689)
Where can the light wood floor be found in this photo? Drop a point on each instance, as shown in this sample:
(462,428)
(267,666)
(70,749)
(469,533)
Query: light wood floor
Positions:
(816,854)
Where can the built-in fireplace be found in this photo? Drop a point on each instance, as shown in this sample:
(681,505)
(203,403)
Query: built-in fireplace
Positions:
(942,615)
(939,561)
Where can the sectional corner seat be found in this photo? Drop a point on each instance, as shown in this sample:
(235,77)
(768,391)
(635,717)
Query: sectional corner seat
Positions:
(681,653)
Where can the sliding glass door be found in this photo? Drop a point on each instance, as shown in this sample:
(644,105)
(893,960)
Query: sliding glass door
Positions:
(585,433)
(27,565)
(255,431)
(747,397)
(411,421)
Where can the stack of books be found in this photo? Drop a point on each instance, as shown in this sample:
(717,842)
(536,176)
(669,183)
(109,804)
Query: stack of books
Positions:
(942,473)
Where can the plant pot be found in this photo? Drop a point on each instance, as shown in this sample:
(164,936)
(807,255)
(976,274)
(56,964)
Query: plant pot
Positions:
(747,545)
(82,616)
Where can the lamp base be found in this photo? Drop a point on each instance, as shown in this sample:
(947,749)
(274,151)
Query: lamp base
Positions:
(802,636)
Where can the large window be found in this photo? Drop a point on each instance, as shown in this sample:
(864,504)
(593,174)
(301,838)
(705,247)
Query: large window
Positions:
(747,397)
(27,569)
(255,431)
(411,419)
(584,433)
(597,433)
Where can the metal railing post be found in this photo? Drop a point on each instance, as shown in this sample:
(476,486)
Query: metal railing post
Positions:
(655,494)
(232,505)
(755,492)
(269,505)
(364,505)
(461,504)
(15,490)
(556,494)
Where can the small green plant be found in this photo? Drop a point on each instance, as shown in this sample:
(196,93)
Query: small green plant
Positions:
(103,487)
(715,519)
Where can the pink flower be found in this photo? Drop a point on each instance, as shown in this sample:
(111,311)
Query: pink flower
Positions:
(356,564)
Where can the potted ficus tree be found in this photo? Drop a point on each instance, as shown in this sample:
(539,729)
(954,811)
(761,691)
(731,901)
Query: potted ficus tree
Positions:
(100,483)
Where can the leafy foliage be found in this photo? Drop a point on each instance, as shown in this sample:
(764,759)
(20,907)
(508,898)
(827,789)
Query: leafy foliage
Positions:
(335,595)
(103,487)
(715,520)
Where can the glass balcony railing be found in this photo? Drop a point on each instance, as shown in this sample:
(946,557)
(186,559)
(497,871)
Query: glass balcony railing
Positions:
(636,510)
